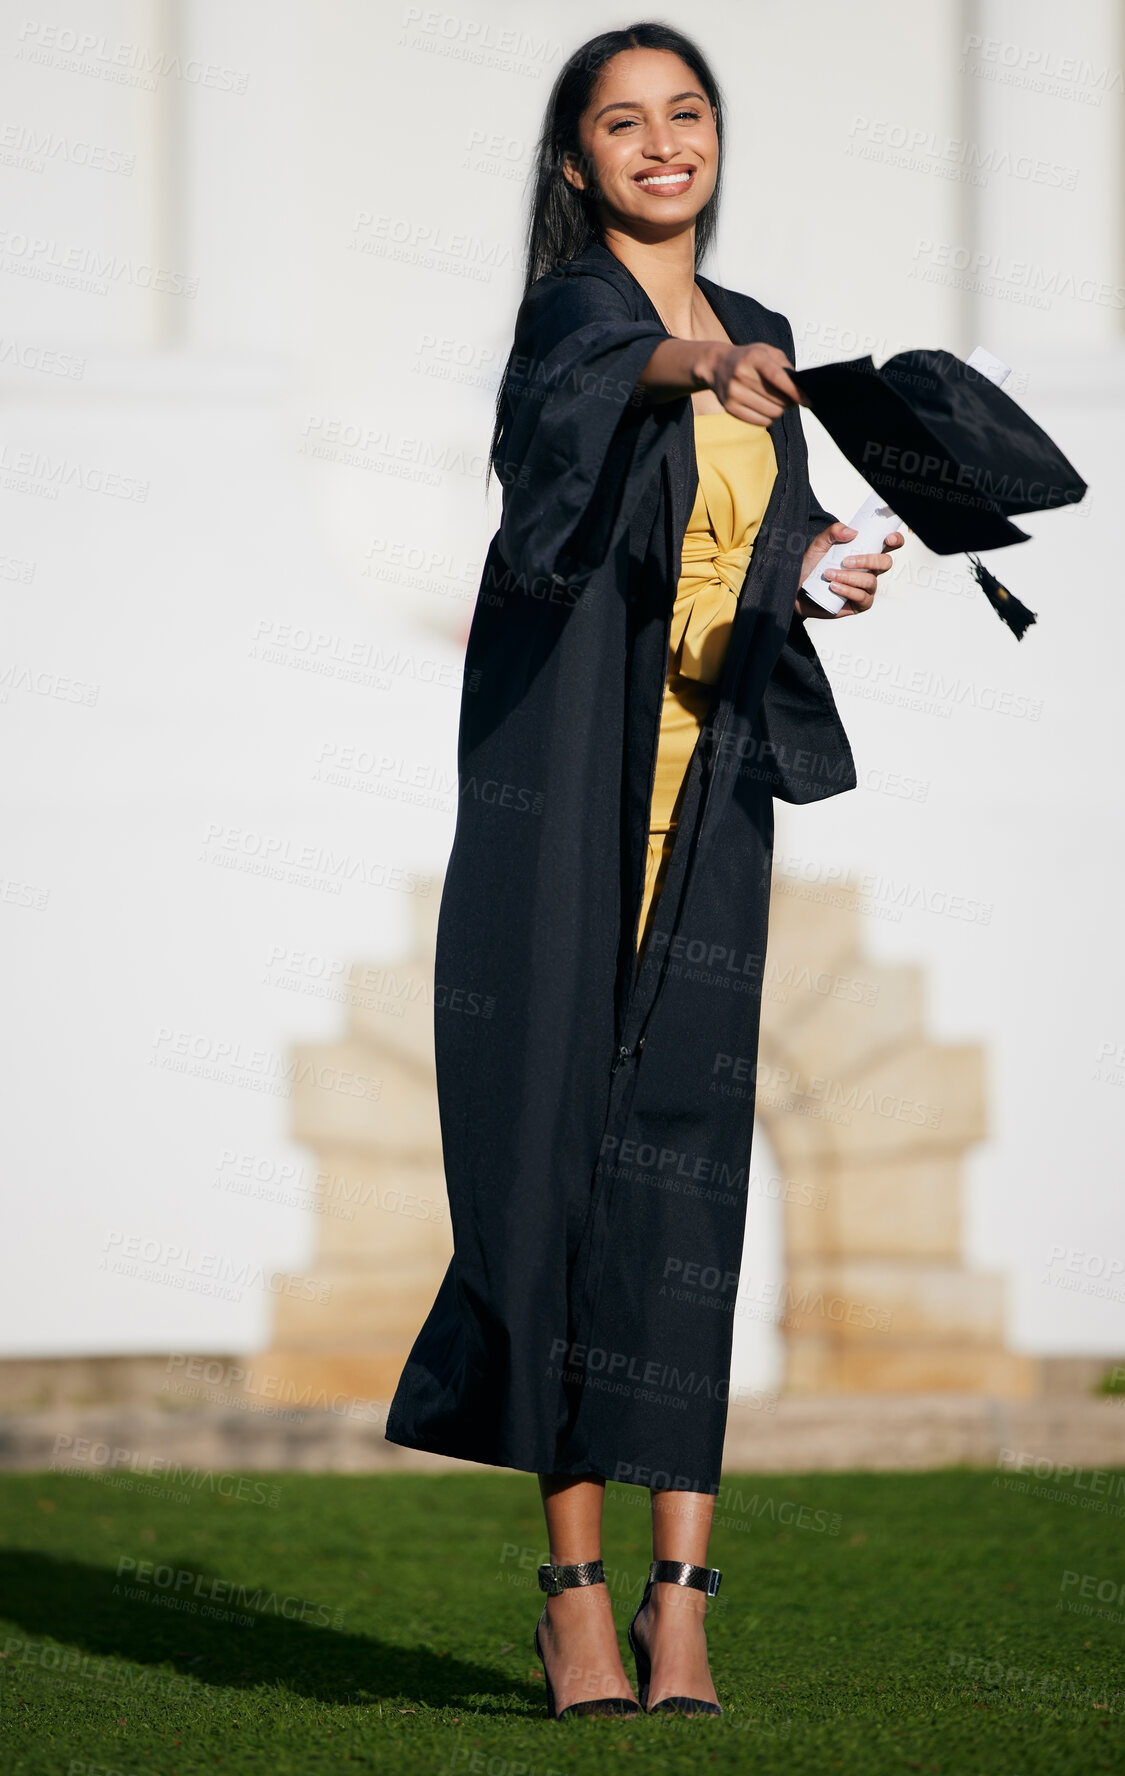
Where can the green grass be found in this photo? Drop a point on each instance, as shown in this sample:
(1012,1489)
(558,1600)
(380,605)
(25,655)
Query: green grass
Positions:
(896,1623)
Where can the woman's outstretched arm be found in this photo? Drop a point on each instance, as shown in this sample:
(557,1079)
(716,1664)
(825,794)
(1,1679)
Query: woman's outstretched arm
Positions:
(751,381)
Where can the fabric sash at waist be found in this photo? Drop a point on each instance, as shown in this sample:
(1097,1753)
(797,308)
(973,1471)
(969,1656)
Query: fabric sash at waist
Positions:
(706,600)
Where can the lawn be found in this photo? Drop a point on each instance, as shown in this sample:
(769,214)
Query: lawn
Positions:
(866,1623)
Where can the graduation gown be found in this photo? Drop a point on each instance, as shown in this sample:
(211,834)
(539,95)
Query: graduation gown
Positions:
(596,1117)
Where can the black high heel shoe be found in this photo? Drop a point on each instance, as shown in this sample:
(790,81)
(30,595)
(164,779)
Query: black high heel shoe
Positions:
(697,1578)
(552,1580)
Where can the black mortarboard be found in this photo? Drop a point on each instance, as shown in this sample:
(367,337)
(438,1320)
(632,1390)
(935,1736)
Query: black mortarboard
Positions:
(947,449)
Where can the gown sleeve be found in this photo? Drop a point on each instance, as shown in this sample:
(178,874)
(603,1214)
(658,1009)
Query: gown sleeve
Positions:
(579,441)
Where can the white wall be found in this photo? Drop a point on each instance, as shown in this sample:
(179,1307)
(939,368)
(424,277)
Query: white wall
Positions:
(279,414)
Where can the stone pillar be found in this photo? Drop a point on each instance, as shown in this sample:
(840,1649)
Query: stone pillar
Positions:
(385,1237)
(870,1120)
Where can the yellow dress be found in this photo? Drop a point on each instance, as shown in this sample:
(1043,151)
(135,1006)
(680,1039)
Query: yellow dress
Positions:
(737,466)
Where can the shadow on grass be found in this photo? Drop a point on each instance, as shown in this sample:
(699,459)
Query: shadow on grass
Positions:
(90,1608)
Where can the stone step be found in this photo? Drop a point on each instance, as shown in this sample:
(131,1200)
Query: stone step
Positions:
(333,1107)
(392,1006)
(874,1301)
(374,1207)
(905,1367)
(823,1433)
(380,1301)
(879,1209)
(110,1380)
(1068,1450)
(835,1021)
(349,1378)
(921,1099)
(813,921)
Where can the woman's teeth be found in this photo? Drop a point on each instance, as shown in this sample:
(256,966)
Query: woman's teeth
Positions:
(666,179)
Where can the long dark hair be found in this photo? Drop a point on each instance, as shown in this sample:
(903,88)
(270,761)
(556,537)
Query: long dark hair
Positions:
(562,221)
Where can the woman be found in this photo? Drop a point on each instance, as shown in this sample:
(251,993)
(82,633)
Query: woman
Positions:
(638,686)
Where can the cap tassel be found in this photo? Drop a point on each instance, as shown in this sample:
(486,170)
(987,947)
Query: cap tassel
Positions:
(1006,605)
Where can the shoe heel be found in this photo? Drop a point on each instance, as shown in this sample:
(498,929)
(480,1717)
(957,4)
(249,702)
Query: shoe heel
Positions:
(546,1680)
(640,1657)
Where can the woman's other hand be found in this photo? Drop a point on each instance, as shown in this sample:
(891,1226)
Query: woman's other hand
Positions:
(855,579)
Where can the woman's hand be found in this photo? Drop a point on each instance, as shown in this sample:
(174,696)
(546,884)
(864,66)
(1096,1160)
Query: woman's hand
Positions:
(855,580)
(753,383)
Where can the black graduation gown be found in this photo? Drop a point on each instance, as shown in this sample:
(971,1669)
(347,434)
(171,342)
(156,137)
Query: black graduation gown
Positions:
(596,1118)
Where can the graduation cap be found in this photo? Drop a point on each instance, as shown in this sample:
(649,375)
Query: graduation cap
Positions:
(941,443)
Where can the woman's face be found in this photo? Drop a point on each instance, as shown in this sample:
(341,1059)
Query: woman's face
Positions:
(649,146)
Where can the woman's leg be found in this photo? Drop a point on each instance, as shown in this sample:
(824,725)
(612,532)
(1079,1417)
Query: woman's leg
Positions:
(670,1627)
(578,1634)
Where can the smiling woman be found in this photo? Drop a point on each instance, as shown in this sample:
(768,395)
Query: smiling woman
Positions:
(663,181)
(638,676)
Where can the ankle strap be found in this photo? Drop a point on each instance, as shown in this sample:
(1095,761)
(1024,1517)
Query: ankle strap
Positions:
(553,1579)
(676,1572)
